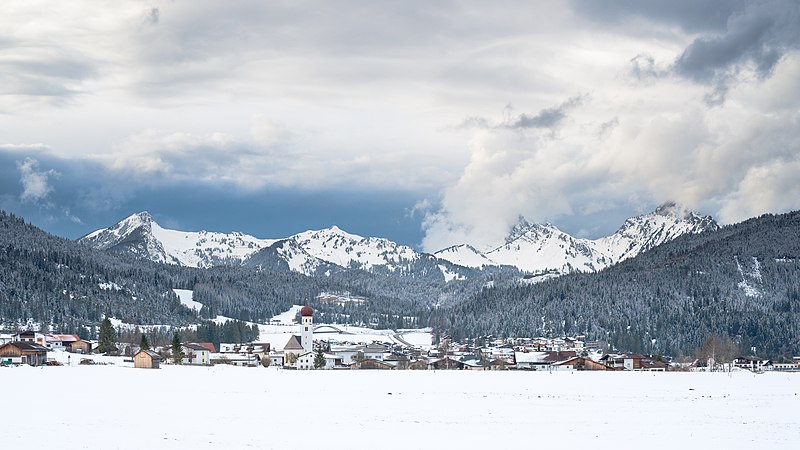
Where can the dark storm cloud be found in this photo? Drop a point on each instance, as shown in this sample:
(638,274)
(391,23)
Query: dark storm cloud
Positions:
(88,195)
(760,36)
(691,15)
(734,35)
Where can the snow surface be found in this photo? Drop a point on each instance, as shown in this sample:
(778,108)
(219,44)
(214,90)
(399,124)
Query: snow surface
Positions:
(287,317)
(465,255)
(185,296)
(749,278)
(225,407)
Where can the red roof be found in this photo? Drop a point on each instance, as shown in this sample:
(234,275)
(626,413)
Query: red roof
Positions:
(306,311)
(208,346)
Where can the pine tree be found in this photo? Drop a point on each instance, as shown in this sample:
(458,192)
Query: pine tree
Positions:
(177,351)
(107,338)
(319,360)
(144,344)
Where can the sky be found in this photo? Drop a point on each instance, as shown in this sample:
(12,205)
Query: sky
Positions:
(429,123)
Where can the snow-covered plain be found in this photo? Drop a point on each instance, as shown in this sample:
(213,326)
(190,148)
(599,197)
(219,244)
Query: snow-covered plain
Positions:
(227,407)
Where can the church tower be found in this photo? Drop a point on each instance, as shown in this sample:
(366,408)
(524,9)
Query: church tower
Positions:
(307,332)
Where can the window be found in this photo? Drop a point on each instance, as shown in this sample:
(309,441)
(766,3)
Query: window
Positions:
(306,328)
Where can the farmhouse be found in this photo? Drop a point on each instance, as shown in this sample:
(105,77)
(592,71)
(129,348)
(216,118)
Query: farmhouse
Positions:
(373,364)
(540,360)
(146,359)
(22,352)
(752,363)
(69,342)
(580,363)
(623,361)
(446,363)
(196,355)
(31,336)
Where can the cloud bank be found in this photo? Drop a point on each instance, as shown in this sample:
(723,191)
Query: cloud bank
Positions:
(570,112)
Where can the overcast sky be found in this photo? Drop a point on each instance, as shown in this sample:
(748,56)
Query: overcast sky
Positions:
(430,123)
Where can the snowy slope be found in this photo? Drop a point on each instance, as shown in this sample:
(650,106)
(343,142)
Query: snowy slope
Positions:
(543,248)
(465,255)
(352,251)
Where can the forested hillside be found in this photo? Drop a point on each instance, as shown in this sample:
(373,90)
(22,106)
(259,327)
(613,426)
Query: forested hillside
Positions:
(68,285)
(56,281)
(742,281)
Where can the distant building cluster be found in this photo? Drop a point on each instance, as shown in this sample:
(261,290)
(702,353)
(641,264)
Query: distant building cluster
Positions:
(303,352)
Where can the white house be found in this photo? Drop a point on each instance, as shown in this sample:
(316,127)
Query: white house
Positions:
(6,338)
(347,352)
(196,355)
(276,359)
(375,351)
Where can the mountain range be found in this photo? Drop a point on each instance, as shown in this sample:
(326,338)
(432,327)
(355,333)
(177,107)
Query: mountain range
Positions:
(543,248)
(739,280)
(539,249)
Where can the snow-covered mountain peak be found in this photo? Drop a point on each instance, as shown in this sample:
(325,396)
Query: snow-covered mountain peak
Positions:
(333,233)
(140,234)
(339,247)
(122,229)
(539,248)
(529,230)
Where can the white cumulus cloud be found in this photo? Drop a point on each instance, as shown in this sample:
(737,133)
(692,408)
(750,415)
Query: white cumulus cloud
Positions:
(35,182)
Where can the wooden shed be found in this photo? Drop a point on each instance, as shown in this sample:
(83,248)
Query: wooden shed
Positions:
(146,359)
(81,346)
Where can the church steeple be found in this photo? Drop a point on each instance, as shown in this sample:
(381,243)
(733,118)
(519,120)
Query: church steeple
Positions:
(307,333)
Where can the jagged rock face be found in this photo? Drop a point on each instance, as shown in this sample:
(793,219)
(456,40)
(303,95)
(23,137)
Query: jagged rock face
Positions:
(543,248)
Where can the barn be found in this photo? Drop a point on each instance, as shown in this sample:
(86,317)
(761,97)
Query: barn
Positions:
(146,359)
(20,352)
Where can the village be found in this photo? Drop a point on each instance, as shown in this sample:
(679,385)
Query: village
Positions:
(325,348)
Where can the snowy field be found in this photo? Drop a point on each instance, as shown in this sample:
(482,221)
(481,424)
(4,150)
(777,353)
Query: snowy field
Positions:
(225,407)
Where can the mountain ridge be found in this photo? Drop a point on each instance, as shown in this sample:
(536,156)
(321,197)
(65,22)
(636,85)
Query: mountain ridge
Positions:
(560,252)
(529,247)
